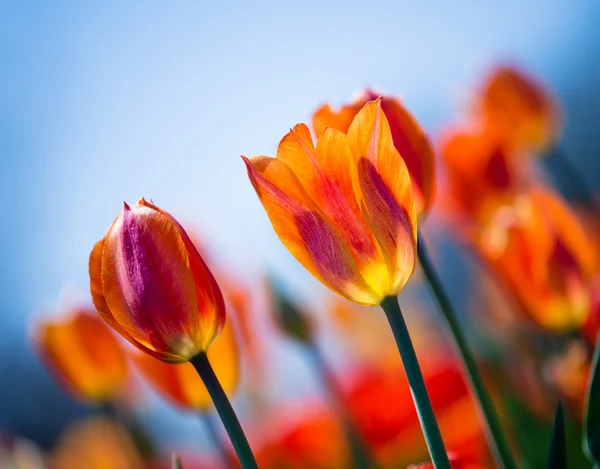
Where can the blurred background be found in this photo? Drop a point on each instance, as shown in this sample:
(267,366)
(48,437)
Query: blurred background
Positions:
(101,103)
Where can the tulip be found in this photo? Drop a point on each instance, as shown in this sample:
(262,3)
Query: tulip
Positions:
(96,443)
(179,383)
(84,356)
(483,170)
(150,284)
(409,139)
(539,248)
(344,208)
(522,108)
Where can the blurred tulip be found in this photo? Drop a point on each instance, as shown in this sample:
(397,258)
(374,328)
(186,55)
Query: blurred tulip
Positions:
(150,284)
(568,373)
(83,355)
(409,139)
(311,440)
(521,108)
(483,172)
(344,209)
(20,454)
(96,443)
(539,248)
(381,402)
(180,384)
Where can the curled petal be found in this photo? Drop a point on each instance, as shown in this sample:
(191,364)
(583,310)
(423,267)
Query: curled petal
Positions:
(305,231)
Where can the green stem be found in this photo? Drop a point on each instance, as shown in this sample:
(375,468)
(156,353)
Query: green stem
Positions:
(225,411)
(213,432)
(360,454)
(495,435)
(429,425)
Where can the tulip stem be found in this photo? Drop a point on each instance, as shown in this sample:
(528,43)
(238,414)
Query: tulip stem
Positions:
(429,425)
(211,427)
(225,411)
(360,453)
(493,429)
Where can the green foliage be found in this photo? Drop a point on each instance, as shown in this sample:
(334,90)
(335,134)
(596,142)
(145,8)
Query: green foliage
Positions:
(557,457)
(290,318)
(591,425)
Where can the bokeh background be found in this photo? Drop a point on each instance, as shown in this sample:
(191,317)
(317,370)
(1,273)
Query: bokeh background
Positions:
(101,103)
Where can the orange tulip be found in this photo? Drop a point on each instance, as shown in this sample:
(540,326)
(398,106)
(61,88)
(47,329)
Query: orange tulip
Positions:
(483,172)
(180,384)
(409,139)
(84,355)
(96,443)
(150,284)
(312,440)
(522,108)
(345,208)
(540,249)
(393,431)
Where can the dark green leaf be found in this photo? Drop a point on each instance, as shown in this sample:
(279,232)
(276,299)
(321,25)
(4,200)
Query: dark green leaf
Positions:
(290,318)
(557,458)
(591,425)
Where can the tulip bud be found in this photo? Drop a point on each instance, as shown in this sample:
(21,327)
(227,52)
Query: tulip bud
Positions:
(150,284)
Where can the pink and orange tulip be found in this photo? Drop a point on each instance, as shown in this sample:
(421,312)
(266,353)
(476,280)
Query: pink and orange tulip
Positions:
(409,139)
(543,253)
(522,108)
(345,207)
(455,461)
(150,284)
(83,355)
(180,384)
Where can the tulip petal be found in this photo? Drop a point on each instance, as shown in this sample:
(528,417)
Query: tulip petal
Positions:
(415,149)
(384,190)
(304,230)
(211,306)
(147,282)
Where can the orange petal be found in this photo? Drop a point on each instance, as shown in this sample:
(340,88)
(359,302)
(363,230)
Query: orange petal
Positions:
(84,355)
(304,230)
(384,190)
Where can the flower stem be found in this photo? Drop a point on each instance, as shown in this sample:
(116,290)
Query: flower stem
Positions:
(360,454)
(213,432)
(225,411)
(493,429)
(429,425)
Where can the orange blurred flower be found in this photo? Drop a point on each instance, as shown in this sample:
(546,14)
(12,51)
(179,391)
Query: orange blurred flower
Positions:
(522,108)
(456,462)
(83,355)
(345,208)
(393,431)
(150,284)
(96,443)
(483,172)
(409,139)
(540,249)
(180,384)
(310,440)
(569,372)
